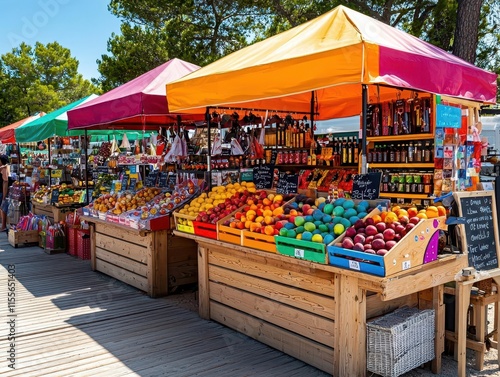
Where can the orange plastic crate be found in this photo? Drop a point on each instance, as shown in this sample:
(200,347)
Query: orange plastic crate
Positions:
(259,241)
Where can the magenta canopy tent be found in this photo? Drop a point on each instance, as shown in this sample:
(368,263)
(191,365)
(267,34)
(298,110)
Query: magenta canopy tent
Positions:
(139,104)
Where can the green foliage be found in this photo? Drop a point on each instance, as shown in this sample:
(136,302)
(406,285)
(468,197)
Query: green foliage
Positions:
(39,78)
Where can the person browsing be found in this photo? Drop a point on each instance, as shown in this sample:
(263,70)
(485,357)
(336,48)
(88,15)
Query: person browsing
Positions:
(4,175)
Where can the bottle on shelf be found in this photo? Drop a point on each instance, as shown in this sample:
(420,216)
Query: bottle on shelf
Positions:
(427,152)
(411,151)
(397,154)
(350,151)
(344,151)
(385,154)
(356,151)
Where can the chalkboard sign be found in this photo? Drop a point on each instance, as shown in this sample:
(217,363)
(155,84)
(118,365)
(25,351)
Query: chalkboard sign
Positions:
(133,183)
(479,235)
(287,183)
(366,186)
(54,196)
(124,181)
(274,154)
(263,176)
(151,178)
(163,179)
(171,182)
(448,116)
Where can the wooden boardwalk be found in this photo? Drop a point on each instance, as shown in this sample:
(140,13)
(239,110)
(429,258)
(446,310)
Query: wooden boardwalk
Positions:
(71,321)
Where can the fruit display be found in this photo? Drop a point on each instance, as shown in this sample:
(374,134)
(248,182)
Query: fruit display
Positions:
(104,203)
(41,195)
(219,202)
(378,234)
(260,214)
(320,221)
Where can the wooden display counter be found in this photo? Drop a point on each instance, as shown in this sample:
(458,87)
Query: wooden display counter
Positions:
(155,262)
(313,312)
(53,213)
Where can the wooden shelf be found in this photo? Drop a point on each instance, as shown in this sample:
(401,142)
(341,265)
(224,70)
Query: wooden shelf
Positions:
(317,166)
(403,196)
(420,165)
(409,137)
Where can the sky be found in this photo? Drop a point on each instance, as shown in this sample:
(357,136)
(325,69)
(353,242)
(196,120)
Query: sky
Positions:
(83,26)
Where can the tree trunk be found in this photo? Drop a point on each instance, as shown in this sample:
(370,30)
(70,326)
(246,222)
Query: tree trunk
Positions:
(466,32)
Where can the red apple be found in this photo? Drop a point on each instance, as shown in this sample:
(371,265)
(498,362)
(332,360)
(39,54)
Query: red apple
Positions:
(414,220)
(350,232)
(381,226)
(390,244)
(347,243)
(382,252)
(358,238)
(358,247)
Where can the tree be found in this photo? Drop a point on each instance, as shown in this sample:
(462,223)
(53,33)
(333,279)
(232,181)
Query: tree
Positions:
(467,29)
(37,79)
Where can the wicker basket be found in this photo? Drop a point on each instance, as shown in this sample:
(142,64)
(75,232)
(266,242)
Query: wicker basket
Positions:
(400,341)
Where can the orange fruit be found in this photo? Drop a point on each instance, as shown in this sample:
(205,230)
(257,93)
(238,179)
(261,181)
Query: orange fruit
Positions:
(269,220)
(267,202)
(278,211)
(383,215)
(232,224)
(269,230)
(248,223)
(431,212)
(402,212)
(395,209)
(441,210)
(377,218)
(422,215)
(412,212)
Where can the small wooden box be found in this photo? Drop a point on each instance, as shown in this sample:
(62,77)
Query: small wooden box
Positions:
(17,238)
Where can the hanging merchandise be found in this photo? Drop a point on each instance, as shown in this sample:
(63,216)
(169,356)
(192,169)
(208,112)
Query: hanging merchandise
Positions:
(236,149)
(175,150)
(217,146)
(125,143)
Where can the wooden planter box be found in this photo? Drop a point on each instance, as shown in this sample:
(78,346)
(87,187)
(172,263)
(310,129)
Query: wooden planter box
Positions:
(19,237)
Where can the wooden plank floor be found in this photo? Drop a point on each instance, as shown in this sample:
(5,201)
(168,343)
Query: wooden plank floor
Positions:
(71,321)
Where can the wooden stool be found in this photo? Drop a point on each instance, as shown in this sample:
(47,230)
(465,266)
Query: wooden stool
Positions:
(477,321)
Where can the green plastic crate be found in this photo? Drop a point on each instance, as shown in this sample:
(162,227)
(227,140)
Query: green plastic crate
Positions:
(311,251)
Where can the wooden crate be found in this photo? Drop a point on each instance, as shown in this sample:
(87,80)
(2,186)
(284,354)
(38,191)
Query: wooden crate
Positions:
(43,209)
(183,223)
(259,241)
(20,237)
(417,247)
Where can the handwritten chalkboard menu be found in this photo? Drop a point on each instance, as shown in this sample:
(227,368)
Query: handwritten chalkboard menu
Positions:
(124,181)
(54,196)
(162,181)
(366,186)
(287,183)
(263,176)
(480,233)
(274,154)
(171,182)
(151,178)
(132,184)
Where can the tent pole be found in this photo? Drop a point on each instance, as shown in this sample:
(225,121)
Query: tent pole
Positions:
(209,152)
(364,96)
(50,169)
(86,168)
(312,113)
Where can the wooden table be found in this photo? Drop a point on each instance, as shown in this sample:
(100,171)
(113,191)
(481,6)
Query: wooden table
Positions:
(462,302)
(155,262)
(316,313)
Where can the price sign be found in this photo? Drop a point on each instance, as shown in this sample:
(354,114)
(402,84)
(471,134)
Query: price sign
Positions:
(287,183)
(366,186)
(133,183)
(299,253)
(246,175)
(57,173)
(263,176)
(124,181)
(151,178)
(54,196)
(171,182)
(481,228)
(163,179)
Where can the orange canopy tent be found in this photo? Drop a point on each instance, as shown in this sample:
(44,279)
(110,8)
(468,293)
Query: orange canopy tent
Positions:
(324,64)
(7,135)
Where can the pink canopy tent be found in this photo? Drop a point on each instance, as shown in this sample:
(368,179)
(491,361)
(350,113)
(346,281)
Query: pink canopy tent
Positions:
(139,104)
(7,135)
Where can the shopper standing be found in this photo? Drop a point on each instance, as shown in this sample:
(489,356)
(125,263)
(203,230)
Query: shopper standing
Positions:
(4,175)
